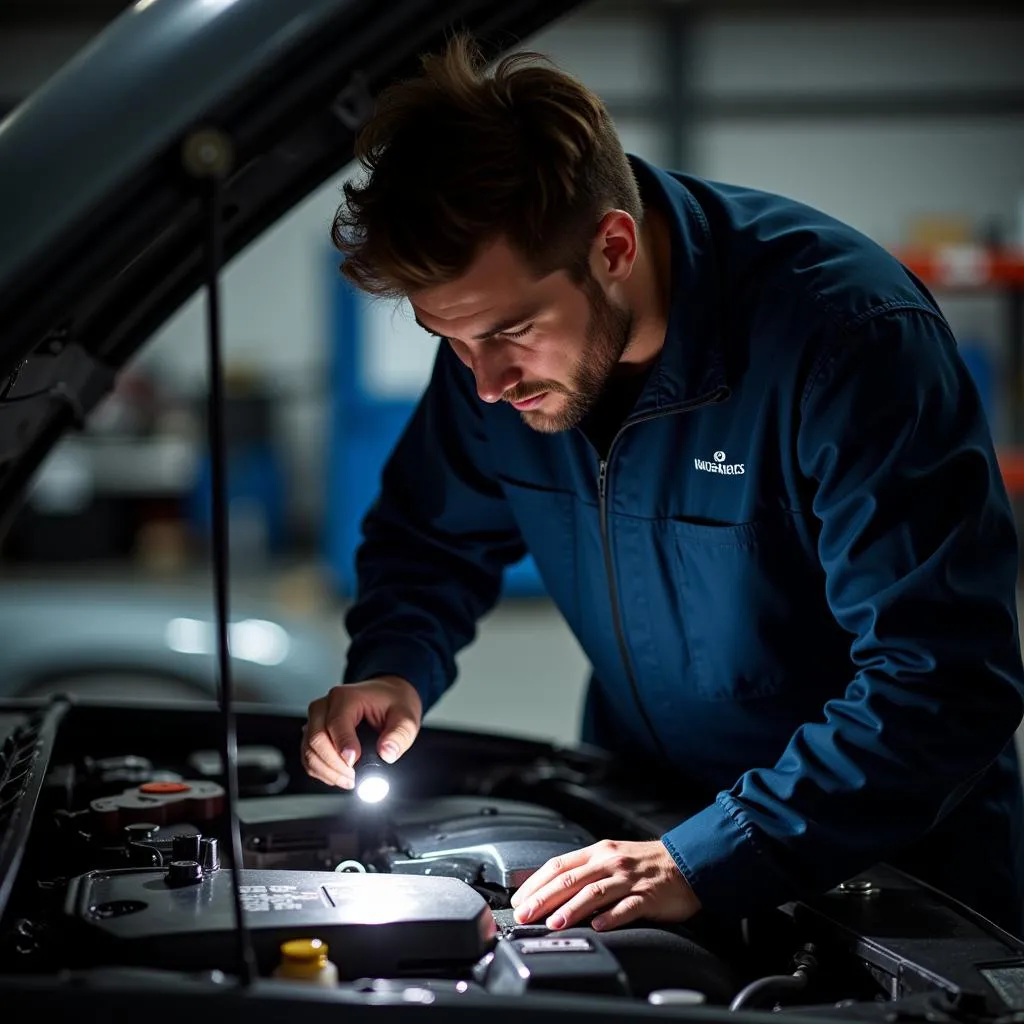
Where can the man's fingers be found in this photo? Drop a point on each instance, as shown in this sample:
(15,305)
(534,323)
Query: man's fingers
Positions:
(551,870)
(318,768)
(624,912)
(589,900)
(316,715)
(551,896)
(331,747)
(317,746)
(398,735)
(320,745)
(321,752)
(316,725)
(342,717)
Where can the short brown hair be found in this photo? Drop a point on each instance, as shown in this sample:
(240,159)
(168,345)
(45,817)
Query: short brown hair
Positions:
(456,159)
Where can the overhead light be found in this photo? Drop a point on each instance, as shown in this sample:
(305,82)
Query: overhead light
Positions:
(255,640)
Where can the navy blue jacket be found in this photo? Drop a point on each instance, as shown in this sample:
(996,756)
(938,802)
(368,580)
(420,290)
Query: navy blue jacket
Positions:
(794,575)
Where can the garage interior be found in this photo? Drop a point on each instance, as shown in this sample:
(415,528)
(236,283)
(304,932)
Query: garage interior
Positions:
(905,120)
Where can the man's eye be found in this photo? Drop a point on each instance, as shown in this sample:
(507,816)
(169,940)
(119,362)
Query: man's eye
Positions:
(522,332)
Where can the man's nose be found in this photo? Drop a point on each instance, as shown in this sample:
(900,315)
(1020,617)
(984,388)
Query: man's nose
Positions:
(494,376)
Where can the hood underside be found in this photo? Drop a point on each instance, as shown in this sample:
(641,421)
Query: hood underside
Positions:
(102,228)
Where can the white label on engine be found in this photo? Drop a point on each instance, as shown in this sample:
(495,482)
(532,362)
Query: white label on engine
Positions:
(560,945)
(276,897)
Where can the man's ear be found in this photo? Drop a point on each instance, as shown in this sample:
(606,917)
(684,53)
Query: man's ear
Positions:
(615,248)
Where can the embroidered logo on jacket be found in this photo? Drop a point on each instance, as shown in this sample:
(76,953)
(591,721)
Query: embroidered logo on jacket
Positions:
(719,465)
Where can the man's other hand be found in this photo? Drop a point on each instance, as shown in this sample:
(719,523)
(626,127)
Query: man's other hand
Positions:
(330,747)
(624,881)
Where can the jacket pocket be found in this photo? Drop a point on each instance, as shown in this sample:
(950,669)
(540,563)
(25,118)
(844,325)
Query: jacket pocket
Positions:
(755,616)
(547,521)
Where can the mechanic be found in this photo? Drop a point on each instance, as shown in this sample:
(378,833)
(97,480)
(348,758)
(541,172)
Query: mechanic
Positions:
(738,440)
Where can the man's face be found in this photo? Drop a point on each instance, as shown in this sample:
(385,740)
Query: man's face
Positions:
(546,346)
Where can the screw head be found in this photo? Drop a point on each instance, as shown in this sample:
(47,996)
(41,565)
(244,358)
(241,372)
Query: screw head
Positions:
(861,887)
(208,153)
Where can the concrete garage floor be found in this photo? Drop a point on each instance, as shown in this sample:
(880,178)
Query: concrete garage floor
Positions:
(525,673)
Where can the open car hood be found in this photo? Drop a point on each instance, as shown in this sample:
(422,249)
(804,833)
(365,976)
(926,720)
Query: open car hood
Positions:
(101,230)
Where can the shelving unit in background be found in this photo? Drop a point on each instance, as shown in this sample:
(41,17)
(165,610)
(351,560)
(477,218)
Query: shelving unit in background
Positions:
(972,269)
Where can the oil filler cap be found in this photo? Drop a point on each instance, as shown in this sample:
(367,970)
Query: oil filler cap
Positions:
(186,847)
(184,872)
(209,855)
(164,788)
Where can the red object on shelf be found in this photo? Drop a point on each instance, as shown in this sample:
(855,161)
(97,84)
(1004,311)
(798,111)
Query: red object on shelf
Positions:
(965,266)
(1011,464)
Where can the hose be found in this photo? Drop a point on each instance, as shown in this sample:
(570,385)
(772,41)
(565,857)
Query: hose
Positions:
(774,984)
(805,963)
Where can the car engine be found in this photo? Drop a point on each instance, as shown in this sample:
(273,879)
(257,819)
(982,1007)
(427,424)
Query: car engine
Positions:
(114,848)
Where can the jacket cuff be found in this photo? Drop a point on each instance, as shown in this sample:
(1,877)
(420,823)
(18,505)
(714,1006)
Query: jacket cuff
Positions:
(721,862)
(405,658)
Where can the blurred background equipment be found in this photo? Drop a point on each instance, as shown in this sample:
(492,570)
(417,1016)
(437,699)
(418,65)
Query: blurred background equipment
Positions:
(257,492)
(904,119)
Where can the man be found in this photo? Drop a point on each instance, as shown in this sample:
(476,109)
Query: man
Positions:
(738,440)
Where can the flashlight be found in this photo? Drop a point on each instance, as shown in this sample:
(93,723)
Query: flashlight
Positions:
(372,783)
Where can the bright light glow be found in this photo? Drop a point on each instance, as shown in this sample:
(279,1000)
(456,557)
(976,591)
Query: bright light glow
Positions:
(255,640)
(373,789)
(374,904)
(417,995)
(259,641)
(189,636)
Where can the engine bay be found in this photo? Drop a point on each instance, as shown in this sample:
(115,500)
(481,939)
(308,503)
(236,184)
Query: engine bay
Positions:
(114,849)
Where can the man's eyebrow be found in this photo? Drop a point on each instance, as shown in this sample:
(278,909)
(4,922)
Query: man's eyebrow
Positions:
(426,328)
(498,328)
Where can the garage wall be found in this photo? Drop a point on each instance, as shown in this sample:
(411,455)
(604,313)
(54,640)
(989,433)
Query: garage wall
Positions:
(875,165)
(876,120)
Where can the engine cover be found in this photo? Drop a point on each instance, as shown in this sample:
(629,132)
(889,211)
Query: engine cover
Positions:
(477,839)
(482,840)
(377,925)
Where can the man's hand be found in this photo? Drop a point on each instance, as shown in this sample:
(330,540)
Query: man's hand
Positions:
(627,881)
(329,744)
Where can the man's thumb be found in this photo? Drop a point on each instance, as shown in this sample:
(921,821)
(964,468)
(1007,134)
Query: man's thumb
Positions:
(398,735)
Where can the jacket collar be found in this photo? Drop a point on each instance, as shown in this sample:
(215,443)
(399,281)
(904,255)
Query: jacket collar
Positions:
(691,365)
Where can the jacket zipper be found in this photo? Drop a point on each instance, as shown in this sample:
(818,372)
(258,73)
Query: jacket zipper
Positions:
(719,395)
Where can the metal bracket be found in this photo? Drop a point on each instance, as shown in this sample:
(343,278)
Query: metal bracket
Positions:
(72,376)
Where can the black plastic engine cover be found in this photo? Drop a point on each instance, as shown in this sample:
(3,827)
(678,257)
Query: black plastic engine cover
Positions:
(562,963)
(499,842)
(373,924)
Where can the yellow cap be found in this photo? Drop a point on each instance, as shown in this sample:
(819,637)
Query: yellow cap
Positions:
(306,960)
(304,951)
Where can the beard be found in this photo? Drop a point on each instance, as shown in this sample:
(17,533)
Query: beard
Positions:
(608,335)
